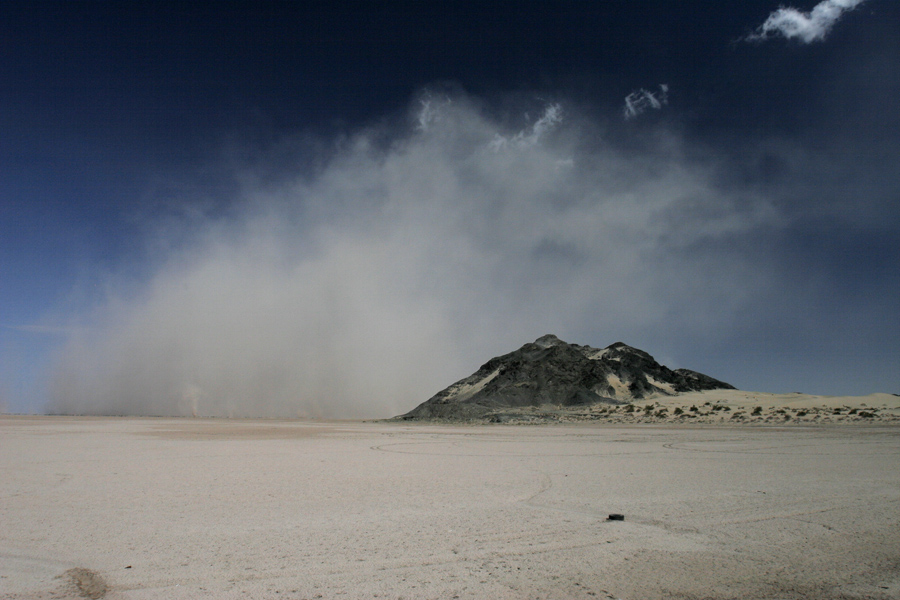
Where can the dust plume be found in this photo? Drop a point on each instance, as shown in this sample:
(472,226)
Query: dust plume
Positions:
(638,101)
(359,283)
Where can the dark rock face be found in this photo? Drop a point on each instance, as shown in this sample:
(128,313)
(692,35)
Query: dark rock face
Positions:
(550,371)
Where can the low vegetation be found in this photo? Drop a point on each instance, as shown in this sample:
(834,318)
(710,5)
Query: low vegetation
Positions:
(654,412)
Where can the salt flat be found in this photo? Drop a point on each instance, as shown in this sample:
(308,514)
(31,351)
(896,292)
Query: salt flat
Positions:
(138,508)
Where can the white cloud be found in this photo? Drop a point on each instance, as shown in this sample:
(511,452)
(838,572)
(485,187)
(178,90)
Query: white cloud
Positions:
(639,101)
(807,27)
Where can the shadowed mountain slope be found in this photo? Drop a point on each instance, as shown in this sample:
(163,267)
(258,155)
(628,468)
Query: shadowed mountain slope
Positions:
(550,371)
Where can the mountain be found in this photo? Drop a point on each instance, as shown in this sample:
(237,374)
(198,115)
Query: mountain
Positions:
(550,371)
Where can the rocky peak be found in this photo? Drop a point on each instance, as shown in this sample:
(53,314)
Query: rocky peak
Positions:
(546,341)
(550,371)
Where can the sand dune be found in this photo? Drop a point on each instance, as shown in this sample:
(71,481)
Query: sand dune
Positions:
(141,508)
(726,407)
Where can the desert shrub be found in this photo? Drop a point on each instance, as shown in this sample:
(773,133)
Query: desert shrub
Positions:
(695,409)
(801,413)
(757,410)
(678,411)
(648,409)
(629,408)
(726,408)
(866,414)
(853,411)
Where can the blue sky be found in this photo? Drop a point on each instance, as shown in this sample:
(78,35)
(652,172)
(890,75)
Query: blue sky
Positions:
(337,209)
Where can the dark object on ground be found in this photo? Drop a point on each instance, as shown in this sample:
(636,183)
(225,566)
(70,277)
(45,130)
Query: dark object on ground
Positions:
(615,517)
(550,371)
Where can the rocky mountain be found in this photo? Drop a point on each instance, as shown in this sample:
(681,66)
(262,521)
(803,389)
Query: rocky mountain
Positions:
(550,371)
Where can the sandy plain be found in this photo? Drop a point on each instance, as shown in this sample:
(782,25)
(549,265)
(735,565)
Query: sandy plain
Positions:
(146,508)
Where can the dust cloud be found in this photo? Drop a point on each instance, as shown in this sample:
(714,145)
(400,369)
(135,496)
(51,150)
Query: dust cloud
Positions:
(410,251)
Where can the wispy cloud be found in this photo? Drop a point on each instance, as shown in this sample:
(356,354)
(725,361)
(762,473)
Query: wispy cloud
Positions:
(637,102)
(531,135)
(807,27)
(430,108)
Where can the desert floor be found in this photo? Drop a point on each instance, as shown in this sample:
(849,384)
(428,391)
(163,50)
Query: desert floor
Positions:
(134,508)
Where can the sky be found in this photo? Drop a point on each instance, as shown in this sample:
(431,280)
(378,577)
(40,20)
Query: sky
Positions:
(335,210)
